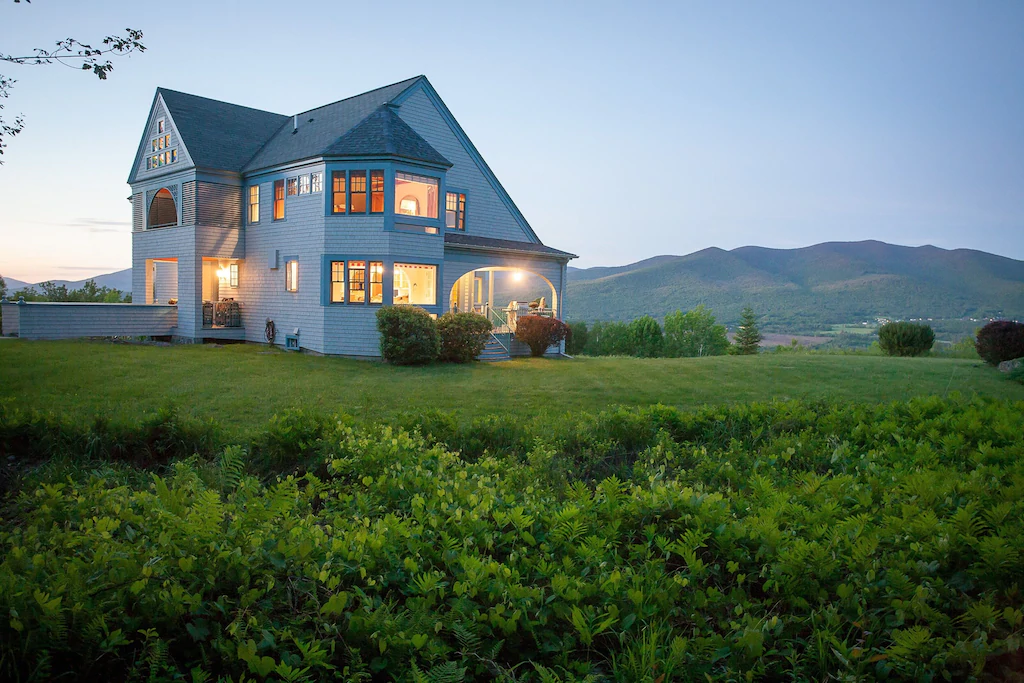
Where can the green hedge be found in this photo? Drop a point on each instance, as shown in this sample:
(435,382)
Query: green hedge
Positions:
(408,335)
(783,541)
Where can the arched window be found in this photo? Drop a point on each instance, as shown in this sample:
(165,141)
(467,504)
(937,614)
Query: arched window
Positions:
(409,206)
(162,211)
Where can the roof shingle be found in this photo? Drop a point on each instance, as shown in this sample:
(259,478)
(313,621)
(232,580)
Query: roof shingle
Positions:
(384,133)
(455,239)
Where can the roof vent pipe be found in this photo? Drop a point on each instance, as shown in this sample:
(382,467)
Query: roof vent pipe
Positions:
(295,123)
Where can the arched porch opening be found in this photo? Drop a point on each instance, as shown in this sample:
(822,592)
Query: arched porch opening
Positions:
(162,211)
(503,294)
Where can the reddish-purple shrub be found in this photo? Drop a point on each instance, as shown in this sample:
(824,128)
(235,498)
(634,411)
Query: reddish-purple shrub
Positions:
(539,332)
(1000,340)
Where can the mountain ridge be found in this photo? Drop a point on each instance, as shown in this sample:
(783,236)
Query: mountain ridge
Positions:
(806,287)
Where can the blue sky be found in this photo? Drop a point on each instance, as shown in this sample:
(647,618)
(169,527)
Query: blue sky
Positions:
(622,131)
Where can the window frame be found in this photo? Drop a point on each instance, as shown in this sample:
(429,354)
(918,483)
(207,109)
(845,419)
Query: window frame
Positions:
(291,281)
(374,174)
(316,182)
(396,201)
(233,275)
(278,186)
(343,281)
(254,204)
(353,175)
(460,211)
(291,186)
(437,290)
(335,176)
(304,183)
(350,281)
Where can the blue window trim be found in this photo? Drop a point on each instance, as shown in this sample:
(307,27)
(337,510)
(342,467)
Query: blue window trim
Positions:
(388,280)
(348,192)
(285,260)
(248,204)
(465,214)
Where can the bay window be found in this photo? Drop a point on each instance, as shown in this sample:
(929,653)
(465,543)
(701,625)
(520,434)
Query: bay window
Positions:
(415,284)
(337,282)
(376,191)
(357,192)
(338,191)
(416,195)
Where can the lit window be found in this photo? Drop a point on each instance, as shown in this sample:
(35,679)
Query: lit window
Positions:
(160,126)
(338,190)
(293,187)
(174,155)
(233,274)
(337,282)
(376,191)
(415,284)
(376,282)
(167,141)
(455,210)
(154,145)
(304,184)
(317,181)
(291,276)
(417,195)
(357,191)
(254,204)
(149,163)
(357,282)
(278,200)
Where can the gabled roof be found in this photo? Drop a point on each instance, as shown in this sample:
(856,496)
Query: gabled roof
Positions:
(384,133)
(473,242)
(320,128)
(219,135)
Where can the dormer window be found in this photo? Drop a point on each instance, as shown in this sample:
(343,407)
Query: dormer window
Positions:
(416,195)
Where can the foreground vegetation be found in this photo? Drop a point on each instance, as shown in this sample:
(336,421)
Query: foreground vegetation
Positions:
(784,541)
(242,386)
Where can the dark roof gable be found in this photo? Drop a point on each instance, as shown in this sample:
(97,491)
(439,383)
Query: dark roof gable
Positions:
(384,133)
(318,129)
(219,135)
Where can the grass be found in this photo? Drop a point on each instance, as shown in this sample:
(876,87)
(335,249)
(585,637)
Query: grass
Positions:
(241,386)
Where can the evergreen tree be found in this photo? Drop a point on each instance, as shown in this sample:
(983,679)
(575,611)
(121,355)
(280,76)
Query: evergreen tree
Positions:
(748,339)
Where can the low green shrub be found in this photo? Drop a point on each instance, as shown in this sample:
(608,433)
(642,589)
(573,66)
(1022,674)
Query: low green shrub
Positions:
(905,339)
(540,333)
(463,336)
(778,541)
(408,335)
(1000,340)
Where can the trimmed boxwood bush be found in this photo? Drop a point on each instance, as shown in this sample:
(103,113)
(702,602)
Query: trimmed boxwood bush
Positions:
(463,336)
(905,339)
(1000,340)
(408,335)
(540,333)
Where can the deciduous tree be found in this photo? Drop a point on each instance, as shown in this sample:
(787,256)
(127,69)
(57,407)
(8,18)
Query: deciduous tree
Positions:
(69,52)
(694,333)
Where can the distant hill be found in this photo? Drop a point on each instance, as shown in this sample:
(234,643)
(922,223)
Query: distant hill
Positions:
(807,288)
(122,280)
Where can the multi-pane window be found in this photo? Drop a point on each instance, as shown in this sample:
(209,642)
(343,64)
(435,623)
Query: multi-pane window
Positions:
(415,195)
(278,200)
(291,276)
(317,182)
(455,210)
(376,191)
(376,282)
(233,275)
(357,192)
(304,184)
(254,204)
(160,126)
(337,282)
(338,191)
(293,186)
(161,159)
(415,284)
(357,282)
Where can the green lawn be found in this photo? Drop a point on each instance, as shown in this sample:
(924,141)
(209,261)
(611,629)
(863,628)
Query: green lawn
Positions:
(241,386)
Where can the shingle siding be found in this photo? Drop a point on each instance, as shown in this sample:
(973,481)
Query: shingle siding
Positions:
(138,212)
(188,203)
(486,213)
(219,205)
(70,320)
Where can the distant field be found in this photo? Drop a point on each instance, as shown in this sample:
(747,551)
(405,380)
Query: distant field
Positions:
(241,386)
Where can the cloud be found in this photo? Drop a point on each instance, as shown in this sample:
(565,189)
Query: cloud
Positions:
(93,225)
(105,269)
